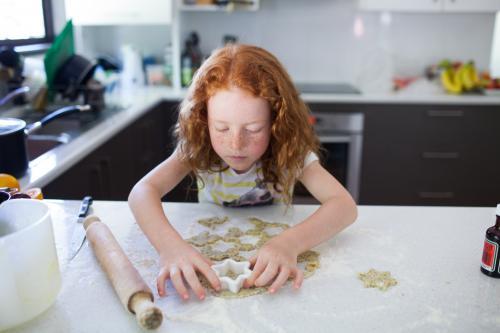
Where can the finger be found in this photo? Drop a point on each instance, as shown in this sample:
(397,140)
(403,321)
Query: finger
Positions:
(257,271)
(209,273)
(299,278)
(252,260)
(160,281)
(207,261)
(268,275)
(192,280)
(280,280)
(176,277)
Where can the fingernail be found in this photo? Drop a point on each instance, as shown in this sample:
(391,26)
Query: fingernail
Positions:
(272,290)
(202,297)
(185,296)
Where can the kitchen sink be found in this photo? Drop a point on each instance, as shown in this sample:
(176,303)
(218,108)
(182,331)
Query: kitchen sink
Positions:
(62,130)
(39,144)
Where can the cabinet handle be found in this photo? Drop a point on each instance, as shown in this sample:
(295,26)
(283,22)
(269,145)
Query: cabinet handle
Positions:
(440,155)
(445,113)
(436,195)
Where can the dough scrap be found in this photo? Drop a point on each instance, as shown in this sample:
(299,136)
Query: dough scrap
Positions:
(377,279)
(213,222)
(205,240)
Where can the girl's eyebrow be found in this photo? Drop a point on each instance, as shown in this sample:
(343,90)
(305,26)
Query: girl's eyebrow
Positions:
(250,123)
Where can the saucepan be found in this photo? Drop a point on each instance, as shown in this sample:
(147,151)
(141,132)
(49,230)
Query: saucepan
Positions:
(30,278)
(13,133)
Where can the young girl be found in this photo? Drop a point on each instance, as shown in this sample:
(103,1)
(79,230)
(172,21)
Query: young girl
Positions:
(244,132)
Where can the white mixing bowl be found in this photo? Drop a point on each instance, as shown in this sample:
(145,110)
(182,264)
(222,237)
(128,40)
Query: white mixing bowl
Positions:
(29,269)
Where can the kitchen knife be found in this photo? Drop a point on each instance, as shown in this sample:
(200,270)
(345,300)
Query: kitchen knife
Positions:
(78,237)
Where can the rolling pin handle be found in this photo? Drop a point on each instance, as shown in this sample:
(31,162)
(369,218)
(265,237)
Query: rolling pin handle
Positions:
(148,315)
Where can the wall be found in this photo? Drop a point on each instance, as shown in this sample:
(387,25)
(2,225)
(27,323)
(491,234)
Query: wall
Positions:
(315,39)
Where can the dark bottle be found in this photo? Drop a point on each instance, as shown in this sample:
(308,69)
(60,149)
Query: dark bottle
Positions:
(490,264)
(186,65)
(195,52)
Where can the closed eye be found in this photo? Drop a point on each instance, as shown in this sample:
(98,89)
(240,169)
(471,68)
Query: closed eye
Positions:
(254,130)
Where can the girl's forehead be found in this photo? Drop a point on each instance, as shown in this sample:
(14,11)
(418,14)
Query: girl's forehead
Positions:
(238,106)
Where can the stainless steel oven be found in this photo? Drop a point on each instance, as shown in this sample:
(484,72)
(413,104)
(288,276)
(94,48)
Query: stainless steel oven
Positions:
(341,137)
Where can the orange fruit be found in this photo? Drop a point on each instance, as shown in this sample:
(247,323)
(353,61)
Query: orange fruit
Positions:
(7,180)
(34,193)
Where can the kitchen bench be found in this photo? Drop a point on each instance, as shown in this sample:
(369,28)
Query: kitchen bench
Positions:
(433,252)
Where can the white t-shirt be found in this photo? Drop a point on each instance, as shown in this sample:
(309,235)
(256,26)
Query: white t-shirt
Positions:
(231,189)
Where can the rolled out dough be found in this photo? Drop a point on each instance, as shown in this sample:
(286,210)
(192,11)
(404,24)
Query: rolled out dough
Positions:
(206,240)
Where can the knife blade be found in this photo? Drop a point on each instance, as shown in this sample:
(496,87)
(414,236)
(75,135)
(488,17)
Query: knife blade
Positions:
(79,234)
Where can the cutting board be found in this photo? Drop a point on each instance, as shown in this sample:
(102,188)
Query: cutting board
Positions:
(60,51)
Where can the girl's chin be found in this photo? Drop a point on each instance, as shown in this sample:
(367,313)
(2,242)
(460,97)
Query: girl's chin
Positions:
(241,166)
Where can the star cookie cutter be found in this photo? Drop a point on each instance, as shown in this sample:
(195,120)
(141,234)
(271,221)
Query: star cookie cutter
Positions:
(240,269)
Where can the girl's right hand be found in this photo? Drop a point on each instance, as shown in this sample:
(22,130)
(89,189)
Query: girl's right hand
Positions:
(180,262)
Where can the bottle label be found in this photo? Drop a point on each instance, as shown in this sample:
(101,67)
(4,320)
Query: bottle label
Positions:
(490,253)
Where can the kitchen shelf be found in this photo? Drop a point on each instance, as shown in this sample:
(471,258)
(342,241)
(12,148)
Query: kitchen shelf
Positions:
(219,8)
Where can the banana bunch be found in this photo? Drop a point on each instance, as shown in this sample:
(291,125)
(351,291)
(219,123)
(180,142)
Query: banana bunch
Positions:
(458,78)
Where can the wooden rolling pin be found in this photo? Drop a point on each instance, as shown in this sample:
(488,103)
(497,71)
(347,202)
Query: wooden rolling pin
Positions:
(133,292)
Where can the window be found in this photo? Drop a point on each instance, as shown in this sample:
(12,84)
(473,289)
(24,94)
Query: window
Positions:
(25,22)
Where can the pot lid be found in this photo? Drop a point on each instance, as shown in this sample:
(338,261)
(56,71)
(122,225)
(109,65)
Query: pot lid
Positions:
(10,125)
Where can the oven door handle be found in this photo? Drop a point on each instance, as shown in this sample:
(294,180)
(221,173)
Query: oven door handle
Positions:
(335,138)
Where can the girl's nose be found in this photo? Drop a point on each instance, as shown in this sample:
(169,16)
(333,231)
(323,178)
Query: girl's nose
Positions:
(237,141)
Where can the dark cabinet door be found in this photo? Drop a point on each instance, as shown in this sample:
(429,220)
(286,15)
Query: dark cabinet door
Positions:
(431,155)
(110,172)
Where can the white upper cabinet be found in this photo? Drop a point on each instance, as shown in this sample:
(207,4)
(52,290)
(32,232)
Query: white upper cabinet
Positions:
(119,12)
(463,6)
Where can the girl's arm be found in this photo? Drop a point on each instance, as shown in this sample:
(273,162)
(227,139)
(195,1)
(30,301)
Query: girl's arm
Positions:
(337,211)
(177,258)
(277,259)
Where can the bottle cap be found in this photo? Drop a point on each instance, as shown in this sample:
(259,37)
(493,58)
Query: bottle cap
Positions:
(498,210)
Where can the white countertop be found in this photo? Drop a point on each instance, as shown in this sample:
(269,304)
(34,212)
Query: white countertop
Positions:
(50,165)
(433,252)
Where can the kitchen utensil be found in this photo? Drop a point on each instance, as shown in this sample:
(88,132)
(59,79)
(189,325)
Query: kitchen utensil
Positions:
(60,51)
(13,94)
(72,76)
(134,293)
(78,237)
(241,270)
(30,278)
(13,133)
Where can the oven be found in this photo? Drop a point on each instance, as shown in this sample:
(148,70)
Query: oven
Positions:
(341,138)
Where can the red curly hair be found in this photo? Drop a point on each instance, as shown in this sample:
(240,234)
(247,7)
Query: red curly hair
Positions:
(260,73)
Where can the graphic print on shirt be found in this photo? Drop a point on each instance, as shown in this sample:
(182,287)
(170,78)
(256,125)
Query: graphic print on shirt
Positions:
(257,196)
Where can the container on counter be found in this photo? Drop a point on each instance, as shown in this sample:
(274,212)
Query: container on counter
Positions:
(490,264)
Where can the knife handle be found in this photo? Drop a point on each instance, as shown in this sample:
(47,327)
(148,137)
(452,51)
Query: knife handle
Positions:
(134,293)
(84,208)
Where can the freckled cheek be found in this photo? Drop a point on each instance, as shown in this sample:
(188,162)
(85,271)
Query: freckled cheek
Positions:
(218,142)
(258,145)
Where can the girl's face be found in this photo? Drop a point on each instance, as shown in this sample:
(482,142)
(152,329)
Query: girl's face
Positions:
(240,127)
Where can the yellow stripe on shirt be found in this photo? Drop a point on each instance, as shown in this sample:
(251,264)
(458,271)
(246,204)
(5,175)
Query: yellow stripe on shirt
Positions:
(224,196)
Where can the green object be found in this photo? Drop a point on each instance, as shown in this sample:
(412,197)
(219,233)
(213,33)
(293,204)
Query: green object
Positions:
(60,51)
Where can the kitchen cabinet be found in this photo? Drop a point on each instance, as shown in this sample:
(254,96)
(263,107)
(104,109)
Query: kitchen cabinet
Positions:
(424,154)
(431,155)
(110,172)
(467,6)
(117,12)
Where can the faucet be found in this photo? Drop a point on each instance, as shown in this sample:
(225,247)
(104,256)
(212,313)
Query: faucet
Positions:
(13,94)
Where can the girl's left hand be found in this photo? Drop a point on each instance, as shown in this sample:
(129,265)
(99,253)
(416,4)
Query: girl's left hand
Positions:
(274,262)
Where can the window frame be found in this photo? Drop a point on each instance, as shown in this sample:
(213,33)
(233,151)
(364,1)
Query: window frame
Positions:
(48,22)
